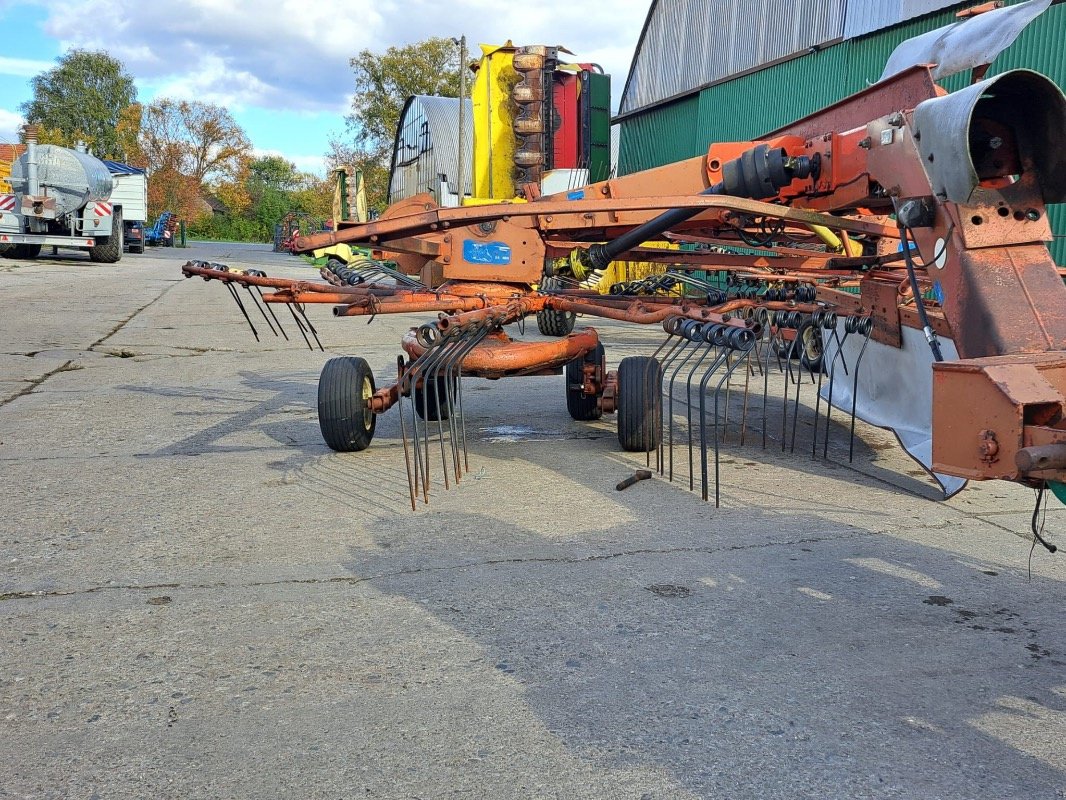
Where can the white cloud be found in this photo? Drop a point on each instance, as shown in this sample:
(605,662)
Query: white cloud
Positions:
(10,122)
(23,67)
(293,54)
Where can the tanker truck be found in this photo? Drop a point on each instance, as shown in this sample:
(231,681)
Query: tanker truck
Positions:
(62,198)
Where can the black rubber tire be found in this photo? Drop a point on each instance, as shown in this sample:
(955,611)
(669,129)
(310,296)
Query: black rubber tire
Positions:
(23,252)
(640,404)
(426,404)
(581,406)
(551,322)
(344,387)
(810,345)
(108,249)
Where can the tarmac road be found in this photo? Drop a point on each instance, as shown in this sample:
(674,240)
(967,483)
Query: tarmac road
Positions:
(199,600)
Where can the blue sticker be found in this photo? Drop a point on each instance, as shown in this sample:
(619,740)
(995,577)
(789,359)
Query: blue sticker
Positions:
(938,292)
(576,195)
(486,252)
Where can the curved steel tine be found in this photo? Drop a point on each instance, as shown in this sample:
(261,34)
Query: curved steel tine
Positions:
(670,393)
(485,330)
(299,325)
(703,430)
(430,379)
(240,305)
(839,354)
(453,392)
(272,314)
(721,356)
(310,327)
(855,386)
(676,349)
(650,390)
(747,386)
(400,369)
(259,305)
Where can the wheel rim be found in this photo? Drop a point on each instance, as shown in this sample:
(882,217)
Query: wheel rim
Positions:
(812,343)
(368,392)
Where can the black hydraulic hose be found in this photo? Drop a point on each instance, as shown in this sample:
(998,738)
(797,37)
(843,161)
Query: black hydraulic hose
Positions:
(930,335)
(601,255)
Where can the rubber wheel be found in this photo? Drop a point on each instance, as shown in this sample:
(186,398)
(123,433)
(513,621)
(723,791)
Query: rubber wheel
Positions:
(344,388)
(109,248)
(640,404)
(582,407)
(427,405)
(810,346)
(551,322)
(26,252)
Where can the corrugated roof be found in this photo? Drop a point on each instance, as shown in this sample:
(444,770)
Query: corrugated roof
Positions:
(867,16)
(433,150)
(689,44)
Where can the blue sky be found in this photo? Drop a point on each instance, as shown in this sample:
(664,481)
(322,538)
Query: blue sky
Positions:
(281,66)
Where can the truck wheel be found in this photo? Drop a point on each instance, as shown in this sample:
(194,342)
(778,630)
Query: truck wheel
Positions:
(551,322)
(582,407)
(109,248)
(344,417)
(640,404)
(23,252)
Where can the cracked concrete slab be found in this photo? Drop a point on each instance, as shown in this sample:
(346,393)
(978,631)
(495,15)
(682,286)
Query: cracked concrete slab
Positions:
(200,600)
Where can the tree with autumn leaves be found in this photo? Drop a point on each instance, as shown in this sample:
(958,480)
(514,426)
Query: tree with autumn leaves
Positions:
(383,82)
(190,150)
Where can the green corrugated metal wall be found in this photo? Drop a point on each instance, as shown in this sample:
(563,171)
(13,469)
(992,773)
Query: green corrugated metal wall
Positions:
(667,135)
(762,101)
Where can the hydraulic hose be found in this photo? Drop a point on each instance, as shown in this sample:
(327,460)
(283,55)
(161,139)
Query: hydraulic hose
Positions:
(601,255)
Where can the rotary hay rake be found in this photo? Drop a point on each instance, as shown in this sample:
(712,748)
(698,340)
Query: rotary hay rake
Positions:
(887,252)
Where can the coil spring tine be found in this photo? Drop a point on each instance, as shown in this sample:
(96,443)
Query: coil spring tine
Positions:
(865,328)
(244,311)
(269,308)
(262,310)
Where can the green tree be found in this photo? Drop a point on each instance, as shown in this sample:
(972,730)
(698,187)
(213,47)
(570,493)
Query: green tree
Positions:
(383,82)
(82,98)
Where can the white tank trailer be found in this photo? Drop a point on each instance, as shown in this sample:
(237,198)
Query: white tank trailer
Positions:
(62,198)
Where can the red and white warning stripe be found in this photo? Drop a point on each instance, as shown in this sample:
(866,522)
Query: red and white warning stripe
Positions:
(7,202)
(103,209)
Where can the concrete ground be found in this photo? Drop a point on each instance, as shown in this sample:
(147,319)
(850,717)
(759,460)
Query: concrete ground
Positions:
(200,600)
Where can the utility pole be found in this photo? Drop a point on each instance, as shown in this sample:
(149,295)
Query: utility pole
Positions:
(462,118)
